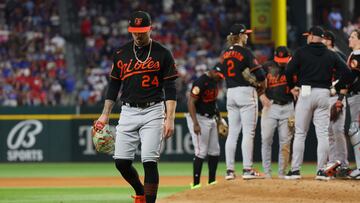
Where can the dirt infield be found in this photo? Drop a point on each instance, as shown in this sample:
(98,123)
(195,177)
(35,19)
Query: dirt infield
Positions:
(274,190)
(85,181)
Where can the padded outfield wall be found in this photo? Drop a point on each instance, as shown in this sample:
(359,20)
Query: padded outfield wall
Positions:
(63,134)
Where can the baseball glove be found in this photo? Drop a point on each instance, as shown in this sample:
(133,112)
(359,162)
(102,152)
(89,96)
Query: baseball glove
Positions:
(291,124)
(222,127)
(102,137)
(336,110)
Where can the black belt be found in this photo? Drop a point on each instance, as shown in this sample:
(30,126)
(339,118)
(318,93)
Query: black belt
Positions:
(140,105)
(207,115)
(280,102)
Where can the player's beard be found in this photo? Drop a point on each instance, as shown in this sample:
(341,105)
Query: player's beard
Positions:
(142,40)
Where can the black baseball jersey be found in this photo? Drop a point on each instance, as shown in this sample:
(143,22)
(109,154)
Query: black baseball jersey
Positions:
(205,89)
(354,64)
(142,75)
(313,65)
(277,87)
(234,61)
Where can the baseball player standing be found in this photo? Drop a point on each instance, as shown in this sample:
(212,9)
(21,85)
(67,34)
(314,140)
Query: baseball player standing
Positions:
(354,99)
(278,108)
(143,68)
(313,65)
(338,151)
(242,100)
(202,124)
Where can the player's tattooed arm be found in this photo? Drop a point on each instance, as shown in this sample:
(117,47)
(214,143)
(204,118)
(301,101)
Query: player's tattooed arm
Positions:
(109,104)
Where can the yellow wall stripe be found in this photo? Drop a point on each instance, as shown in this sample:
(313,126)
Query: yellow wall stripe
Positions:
(69,116)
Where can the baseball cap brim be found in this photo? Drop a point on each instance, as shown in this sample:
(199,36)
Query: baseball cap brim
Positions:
(281,59)
(139,29)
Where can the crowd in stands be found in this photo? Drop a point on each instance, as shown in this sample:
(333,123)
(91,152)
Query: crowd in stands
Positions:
(32,66)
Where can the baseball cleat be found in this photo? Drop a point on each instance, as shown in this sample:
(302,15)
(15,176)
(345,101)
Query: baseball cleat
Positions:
(213,183)
(330,169)
(193,187)
(355,174)
(139,198)
(252,174)
(293,175)
(230,175)
(343,172)
(321,175)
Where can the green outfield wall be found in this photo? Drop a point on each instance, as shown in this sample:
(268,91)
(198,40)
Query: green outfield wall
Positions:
(62,134)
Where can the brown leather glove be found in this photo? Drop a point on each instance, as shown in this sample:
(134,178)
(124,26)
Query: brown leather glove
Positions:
(336,110)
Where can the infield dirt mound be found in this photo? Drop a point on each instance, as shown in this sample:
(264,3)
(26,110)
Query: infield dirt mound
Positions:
(272,190)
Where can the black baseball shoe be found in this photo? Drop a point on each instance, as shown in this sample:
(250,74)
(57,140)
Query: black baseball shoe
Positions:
(293,175)
(230,175)
(343,172)
(321,175)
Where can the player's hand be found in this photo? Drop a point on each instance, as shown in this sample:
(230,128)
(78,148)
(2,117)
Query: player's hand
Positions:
(265,101)
(295,92)
(104,118)
(168,128)
(197,129)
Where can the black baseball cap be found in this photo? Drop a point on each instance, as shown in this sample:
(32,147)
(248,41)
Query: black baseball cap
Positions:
(315,30)
(239,29)
(282,54)
(217,70)
(329,36)
(139,22)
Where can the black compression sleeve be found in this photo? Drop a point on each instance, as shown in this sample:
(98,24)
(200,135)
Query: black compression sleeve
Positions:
(170,90)
(113,89)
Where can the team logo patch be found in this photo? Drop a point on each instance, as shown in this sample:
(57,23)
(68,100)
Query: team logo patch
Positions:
(354,63)
(138,21)
(195,90)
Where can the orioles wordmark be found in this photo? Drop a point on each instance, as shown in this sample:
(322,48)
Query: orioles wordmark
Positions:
(130,68)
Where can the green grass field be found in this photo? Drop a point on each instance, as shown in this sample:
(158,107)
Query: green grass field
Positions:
(91,194)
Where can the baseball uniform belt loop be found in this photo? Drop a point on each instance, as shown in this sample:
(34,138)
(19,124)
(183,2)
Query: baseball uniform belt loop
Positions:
(140,105)
(280,102)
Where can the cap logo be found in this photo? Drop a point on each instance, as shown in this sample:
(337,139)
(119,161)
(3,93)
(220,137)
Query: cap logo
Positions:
(281,54)
(138,21)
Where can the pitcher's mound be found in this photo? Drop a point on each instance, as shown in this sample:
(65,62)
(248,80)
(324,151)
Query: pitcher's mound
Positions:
(272,190)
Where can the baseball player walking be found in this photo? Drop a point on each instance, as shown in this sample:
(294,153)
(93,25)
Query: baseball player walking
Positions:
(354,99)
(278,108)
(338,151)
(143,68)
(202,124)
(313,65)
(242,100)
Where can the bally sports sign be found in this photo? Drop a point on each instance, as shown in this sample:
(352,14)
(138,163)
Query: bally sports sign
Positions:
(21,140)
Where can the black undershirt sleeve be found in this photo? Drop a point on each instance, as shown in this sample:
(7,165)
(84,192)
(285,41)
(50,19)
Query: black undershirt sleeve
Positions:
(170,90)
(113,89)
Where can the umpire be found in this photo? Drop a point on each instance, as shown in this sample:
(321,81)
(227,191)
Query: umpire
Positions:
(313,65)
